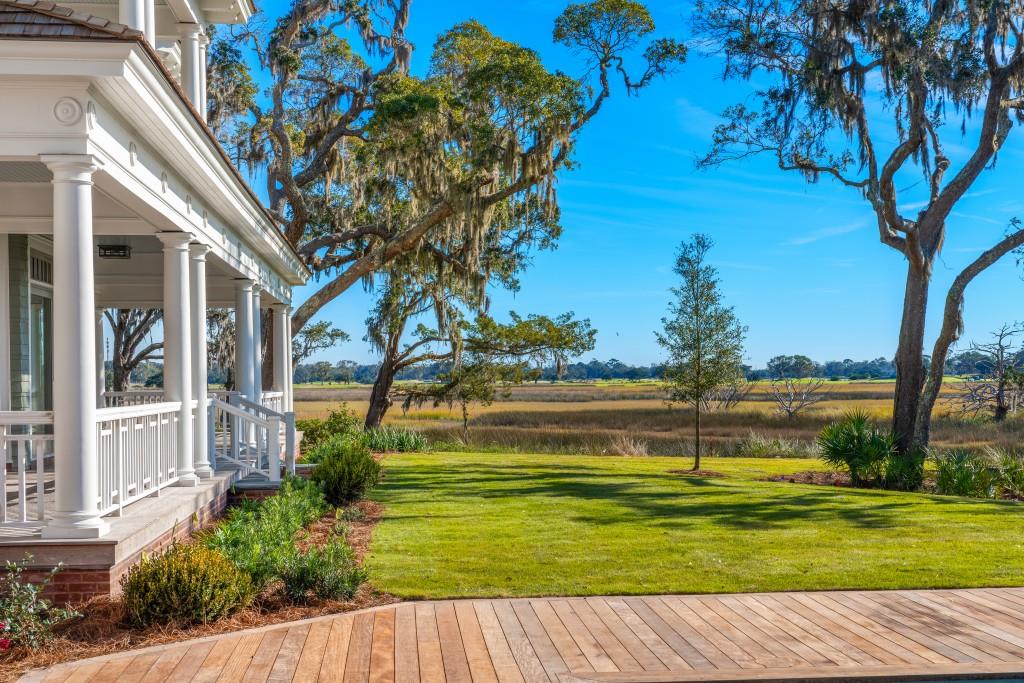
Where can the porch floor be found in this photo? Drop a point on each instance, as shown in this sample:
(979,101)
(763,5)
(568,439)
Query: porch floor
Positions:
(850,635)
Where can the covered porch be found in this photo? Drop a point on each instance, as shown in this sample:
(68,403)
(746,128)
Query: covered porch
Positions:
(78,457)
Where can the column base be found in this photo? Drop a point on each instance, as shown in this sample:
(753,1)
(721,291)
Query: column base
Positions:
(204,472)
(187,480)
(75,527)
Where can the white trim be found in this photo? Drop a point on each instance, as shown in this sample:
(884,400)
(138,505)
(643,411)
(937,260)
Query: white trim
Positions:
(5,324)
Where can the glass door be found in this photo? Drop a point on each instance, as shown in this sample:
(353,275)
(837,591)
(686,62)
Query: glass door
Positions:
(41,352)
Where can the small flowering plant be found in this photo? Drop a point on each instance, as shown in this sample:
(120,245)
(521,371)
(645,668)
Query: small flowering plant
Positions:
(26,618)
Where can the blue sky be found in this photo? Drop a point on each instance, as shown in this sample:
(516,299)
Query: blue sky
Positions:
(800,263)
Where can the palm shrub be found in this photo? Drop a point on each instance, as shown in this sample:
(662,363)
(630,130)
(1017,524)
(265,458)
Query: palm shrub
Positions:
(345,471)
(388,439)
(857,444)
(961,472)
(905,472)
(1010,466)
(327,573)
(186,584)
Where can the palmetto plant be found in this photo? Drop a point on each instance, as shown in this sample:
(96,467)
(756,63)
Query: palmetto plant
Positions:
(857,444)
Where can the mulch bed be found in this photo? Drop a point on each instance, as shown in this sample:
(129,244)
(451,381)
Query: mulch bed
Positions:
(816,478)
(707,474)
(102,631)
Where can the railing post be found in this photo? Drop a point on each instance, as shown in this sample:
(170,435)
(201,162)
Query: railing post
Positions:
(274,449)
(211,435)
(289,442)
(235,428)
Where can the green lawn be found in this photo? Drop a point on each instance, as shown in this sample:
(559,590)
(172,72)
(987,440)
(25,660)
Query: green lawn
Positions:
(466,524)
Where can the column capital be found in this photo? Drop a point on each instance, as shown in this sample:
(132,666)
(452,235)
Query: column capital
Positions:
(198,251)
(174,240)
(281,308)
(72,167)
(244,284)
(191,31)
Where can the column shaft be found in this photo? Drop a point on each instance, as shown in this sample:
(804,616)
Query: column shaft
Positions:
(244,354)
(178,345)
(191,77)
(201,448)
(76,466)
(257,346)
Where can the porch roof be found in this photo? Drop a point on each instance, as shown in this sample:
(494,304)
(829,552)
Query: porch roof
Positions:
(44,20)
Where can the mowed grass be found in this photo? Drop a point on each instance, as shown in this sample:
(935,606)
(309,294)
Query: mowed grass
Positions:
(487,525)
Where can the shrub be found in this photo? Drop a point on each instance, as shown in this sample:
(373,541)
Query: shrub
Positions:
(258,537)
(339,422)
(964,473)
(27,618)
(346,470)
(389,439)
(858,445)
(904,472)
(328,573)
(187,584)
(1010,465)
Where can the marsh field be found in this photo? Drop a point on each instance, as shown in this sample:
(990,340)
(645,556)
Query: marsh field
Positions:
(632,418)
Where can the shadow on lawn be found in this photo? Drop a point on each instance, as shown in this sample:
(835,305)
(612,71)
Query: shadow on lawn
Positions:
(663,499)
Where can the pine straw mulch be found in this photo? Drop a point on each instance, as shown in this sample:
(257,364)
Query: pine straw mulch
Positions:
(707,474)
(101,631)
(814,477)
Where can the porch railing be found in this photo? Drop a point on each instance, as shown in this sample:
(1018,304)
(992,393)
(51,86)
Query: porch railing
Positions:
(26,440)
(274,400)
(117,399)
(138,452)
(251,437)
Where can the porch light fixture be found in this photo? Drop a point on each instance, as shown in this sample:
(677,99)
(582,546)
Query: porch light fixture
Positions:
(115,251)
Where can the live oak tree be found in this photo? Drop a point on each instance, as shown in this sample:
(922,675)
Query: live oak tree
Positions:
(314,338)
(492,357)
(132,342)
(365,163)
(702,336)
(870,94)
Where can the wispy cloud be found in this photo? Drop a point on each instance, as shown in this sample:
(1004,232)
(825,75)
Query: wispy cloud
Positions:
(825,233)
(695,119)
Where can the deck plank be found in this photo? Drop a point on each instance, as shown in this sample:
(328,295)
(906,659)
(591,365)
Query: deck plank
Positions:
(760,636)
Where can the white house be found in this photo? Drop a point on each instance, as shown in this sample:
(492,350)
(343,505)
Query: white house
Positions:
(115,194)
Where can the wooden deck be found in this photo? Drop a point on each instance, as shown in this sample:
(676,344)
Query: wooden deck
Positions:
(901,635)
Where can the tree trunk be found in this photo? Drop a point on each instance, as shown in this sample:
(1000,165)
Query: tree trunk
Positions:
(910,372)
(380,397)
(696,430)
(119,375)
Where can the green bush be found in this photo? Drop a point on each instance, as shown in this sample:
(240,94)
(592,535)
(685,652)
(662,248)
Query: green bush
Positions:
(857,444)
(339,422)
(187,584)
(328,573)
(27,618)
(904,472)
(389,439)
(345,470)
(259,537)
(964,473)
(1011,472)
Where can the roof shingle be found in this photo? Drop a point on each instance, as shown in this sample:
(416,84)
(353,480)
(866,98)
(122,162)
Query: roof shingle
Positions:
(43,19)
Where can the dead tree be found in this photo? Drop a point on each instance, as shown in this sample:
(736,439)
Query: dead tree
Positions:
(791,396)
(1001,391)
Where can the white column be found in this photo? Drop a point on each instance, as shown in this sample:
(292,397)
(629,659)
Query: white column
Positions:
(178,345)
(244,355)
(132,13)
(257,346)
(101,370)
(5,324)
(150,29)
(289,397)
(76,465)
(191,77)
(204,42)
(282,349)
(197,275)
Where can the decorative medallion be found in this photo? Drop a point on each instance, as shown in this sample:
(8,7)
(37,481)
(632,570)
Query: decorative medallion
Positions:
(67,111)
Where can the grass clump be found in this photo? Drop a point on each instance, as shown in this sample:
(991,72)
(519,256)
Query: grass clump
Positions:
(185,585)
(388,439)
(327,573)
(961,472)
(259,537)
(345,470)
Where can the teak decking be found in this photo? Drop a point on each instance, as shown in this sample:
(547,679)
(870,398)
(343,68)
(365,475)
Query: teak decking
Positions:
(900,635)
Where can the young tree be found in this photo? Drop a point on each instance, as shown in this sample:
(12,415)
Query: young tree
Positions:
(847,79)
(703,337)
(365,163)
(132,342)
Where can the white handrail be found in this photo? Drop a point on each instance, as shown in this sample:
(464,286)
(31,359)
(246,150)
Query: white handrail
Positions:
(141,410)
(138,452)
(27,452)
